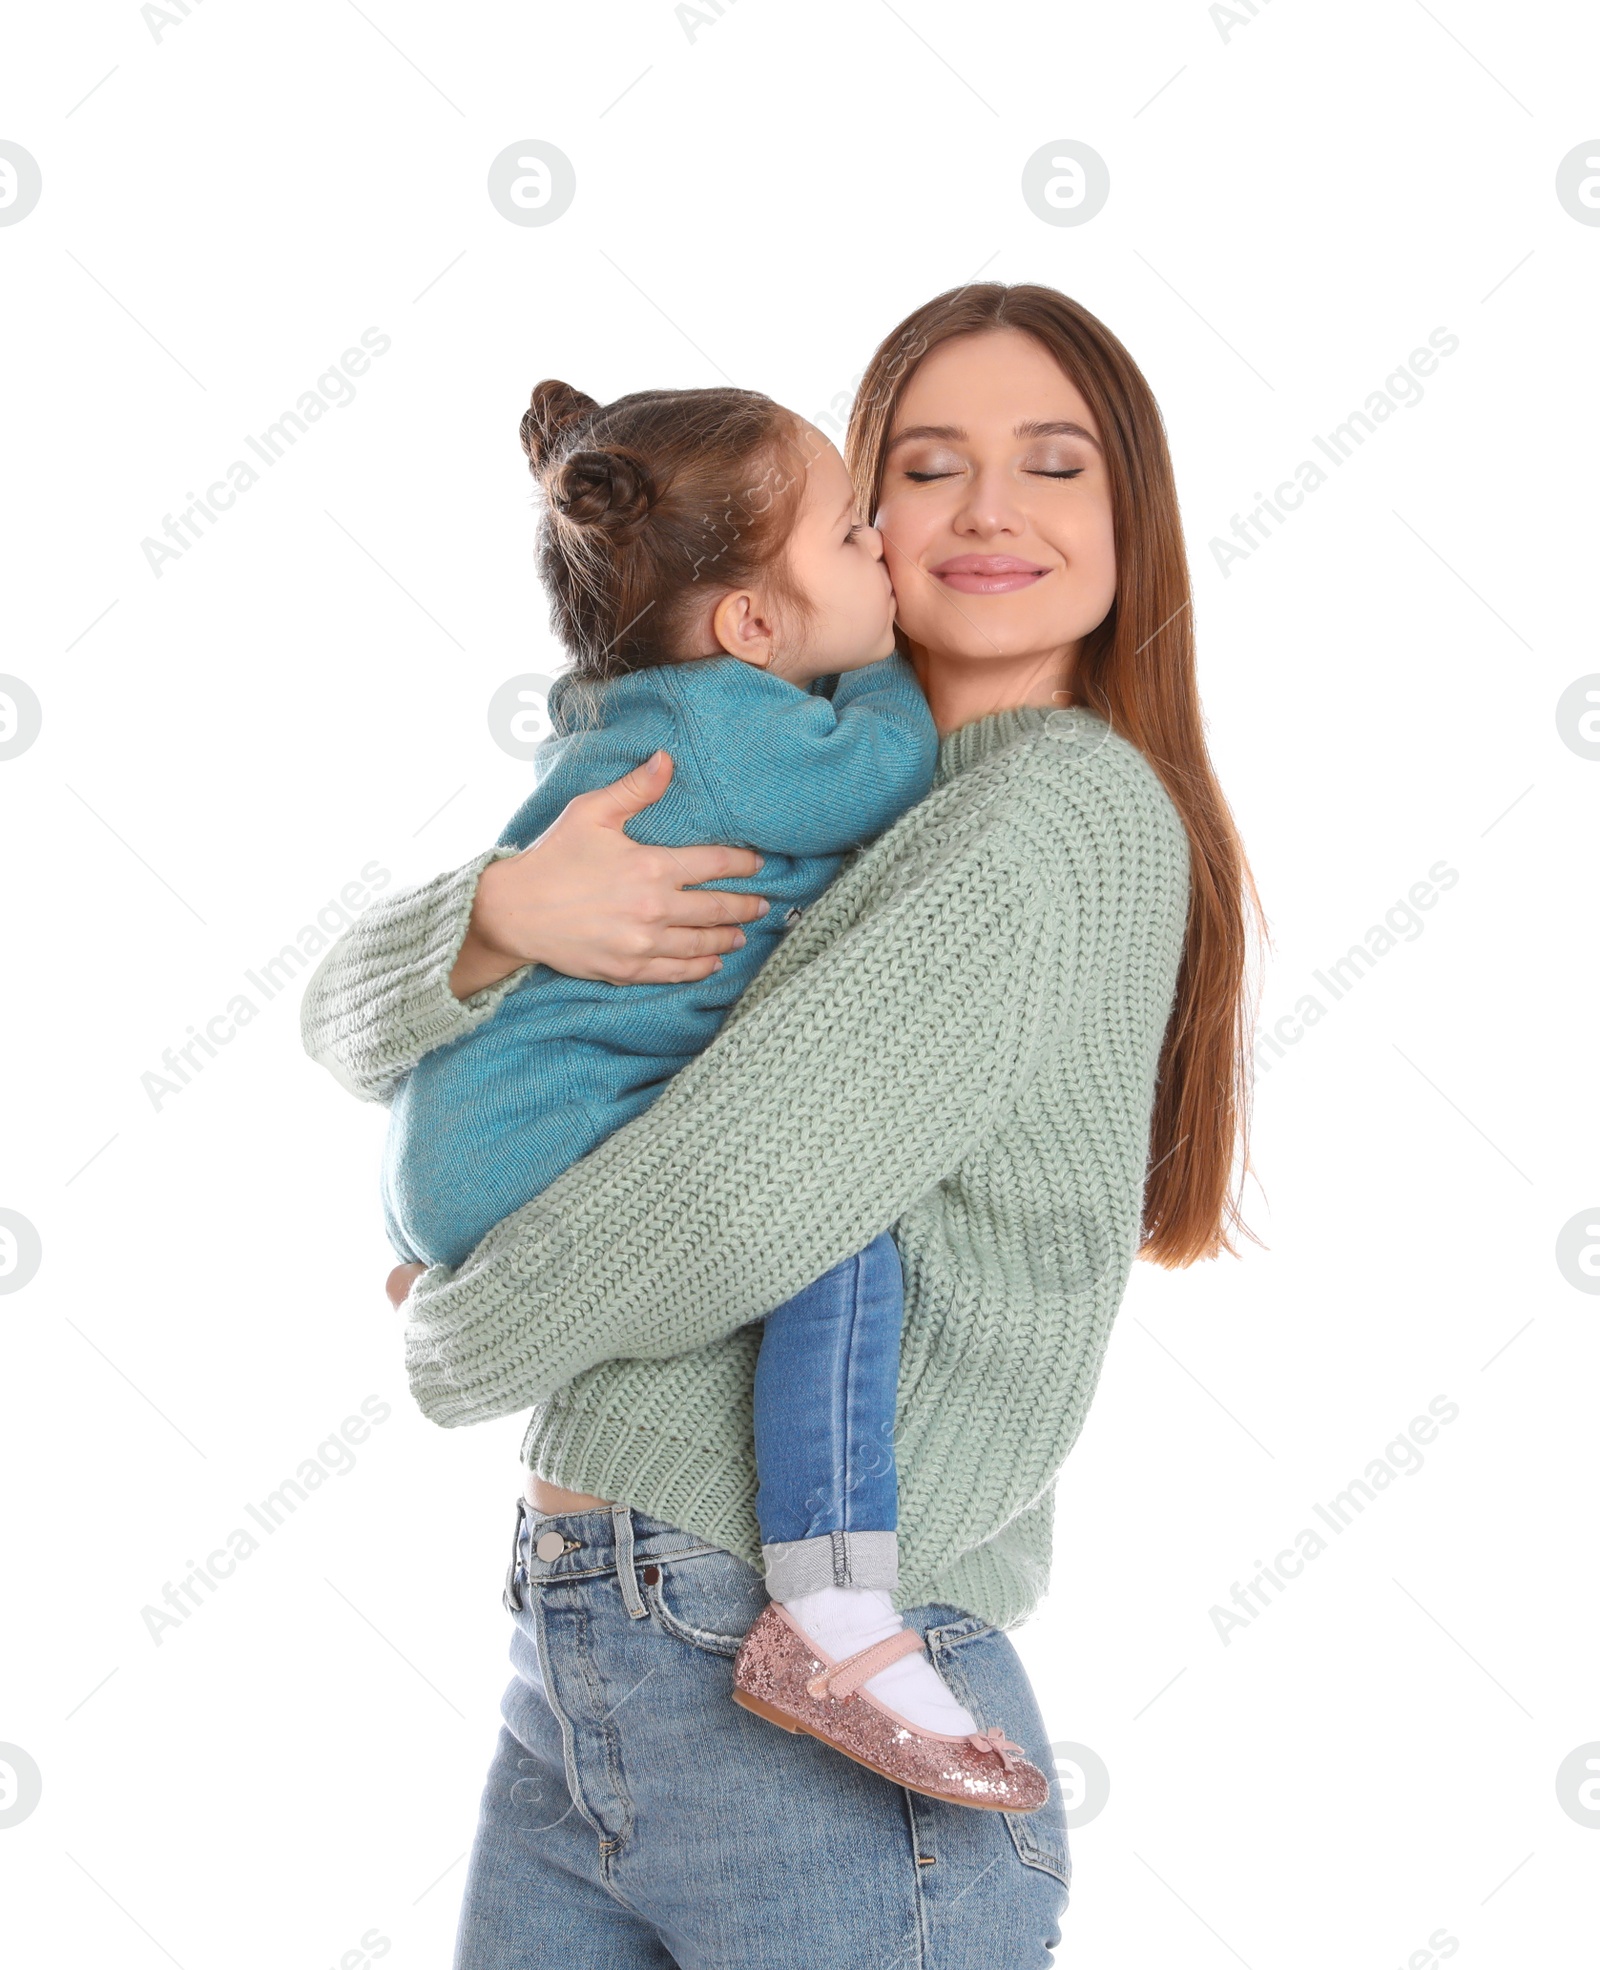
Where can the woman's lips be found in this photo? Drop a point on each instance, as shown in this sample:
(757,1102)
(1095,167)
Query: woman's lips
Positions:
(988,574)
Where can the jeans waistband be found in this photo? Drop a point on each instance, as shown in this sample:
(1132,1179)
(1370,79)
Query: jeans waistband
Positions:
(615,1539)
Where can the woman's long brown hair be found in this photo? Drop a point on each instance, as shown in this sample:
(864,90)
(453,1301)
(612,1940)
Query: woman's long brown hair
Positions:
(1137,670)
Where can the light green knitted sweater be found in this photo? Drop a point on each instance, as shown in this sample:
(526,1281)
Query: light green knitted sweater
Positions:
(959,1040)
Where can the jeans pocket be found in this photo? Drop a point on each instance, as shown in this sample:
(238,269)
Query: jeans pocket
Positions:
(711,1601)
(985,1672)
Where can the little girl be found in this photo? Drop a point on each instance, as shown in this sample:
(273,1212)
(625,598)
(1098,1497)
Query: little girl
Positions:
(720,600)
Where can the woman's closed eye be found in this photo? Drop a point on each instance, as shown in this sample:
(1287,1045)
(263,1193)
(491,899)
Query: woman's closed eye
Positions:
(930,464)
(1047,468)
(1056,464)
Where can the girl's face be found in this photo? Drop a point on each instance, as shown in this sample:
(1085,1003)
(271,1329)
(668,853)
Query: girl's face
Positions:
(835,561)
(995,513)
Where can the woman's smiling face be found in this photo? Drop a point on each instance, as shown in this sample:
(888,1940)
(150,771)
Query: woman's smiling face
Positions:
(995,512)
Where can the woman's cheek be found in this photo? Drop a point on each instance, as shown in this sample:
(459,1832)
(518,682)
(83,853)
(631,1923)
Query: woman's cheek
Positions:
(1103,568)
(915,605)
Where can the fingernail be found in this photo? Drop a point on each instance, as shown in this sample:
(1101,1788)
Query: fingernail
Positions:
(738,939)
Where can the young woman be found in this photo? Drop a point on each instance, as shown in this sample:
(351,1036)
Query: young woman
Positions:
(1012,1030)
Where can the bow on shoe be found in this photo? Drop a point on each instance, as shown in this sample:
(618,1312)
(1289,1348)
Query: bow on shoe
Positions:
(994,1739)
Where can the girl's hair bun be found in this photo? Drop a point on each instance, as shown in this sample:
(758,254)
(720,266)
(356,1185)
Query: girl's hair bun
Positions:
(608,489)
(630,497)
(551,419)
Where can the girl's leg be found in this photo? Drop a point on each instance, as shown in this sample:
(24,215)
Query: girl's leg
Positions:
(825,1386)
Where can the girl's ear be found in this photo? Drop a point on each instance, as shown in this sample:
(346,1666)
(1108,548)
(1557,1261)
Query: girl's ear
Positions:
(742,630)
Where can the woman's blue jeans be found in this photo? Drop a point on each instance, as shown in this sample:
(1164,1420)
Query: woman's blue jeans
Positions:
(825,1386)
(636,1818)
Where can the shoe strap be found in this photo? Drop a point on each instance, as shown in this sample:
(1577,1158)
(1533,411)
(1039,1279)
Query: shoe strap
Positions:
(840,1678)
(994,1739)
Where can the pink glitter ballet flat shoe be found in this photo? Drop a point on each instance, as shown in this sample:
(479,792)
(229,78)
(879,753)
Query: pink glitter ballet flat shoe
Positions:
(782,1675)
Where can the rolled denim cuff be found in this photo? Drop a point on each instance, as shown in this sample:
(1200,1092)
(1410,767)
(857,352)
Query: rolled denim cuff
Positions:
(833,1559)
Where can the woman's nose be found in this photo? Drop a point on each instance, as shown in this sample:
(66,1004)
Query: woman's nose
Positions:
(990,506)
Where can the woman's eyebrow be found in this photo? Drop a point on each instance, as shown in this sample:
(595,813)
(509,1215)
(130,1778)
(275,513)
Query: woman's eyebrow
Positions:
(1057,429)
(951,433)
(1029,428)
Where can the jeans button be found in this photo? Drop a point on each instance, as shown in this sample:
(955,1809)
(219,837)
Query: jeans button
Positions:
(549,1546)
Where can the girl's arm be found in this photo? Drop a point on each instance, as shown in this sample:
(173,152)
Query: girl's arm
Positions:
(837,770)
(428,965)
(840,1091)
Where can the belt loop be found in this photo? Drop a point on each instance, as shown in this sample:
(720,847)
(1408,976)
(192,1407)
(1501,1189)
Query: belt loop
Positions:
(511,1598)
(622,1531)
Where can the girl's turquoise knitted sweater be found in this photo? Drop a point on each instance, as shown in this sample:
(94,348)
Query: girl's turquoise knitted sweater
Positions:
(800,774)
(959,1041)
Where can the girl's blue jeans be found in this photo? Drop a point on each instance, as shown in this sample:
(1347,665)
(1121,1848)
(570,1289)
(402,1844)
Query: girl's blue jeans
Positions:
(636,1818)
(826,1381)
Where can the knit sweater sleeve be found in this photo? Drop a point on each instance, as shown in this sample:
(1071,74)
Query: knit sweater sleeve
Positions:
(381,997)
(833,1099)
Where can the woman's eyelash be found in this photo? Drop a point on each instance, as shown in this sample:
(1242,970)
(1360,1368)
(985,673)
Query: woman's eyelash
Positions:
(925,478)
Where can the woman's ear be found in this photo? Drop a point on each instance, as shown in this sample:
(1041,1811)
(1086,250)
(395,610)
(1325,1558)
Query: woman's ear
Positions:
(742,630)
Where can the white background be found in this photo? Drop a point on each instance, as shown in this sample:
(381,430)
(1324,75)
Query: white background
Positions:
(1297,200)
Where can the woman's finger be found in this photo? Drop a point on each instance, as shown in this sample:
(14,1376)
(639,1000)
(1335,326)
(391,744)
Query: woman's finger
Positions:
(713,864)
(634,792)
(714,906)
(670,971)
(687,941)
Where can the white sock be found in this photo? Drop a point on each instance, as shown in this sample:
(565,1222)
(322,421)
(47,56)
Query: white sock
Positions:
(845,1619)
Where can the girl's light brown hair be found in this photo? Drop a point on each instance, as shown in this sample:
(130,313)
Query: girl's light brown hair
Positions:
(1137,670)
(654,505)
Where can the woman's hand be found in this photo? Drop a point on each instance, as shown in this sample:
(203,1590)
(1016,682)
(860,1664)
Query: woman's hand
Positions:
(587,900)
